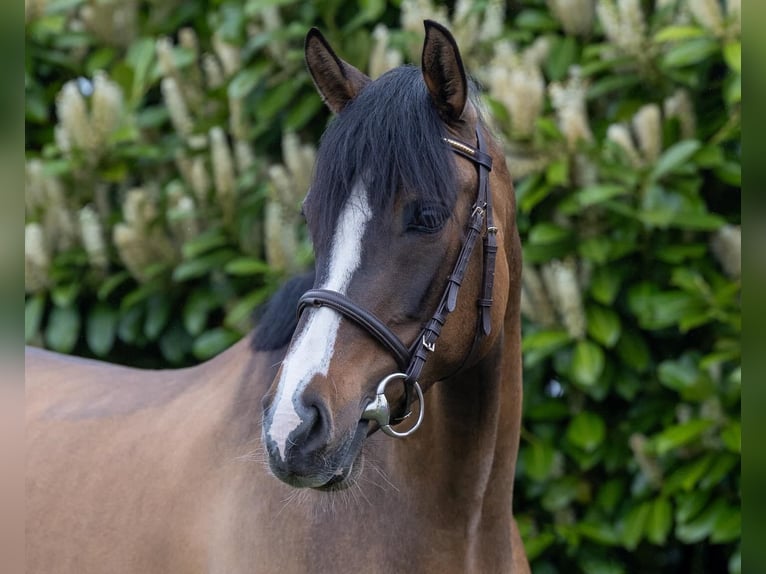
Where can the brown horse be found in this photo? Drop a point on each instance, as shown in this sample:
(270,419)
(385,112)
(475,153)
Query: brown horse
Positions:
(268,457)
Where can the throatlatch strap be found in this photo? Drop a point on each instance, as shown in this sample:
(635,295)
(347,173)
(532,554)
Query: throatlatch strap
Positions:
(490,247)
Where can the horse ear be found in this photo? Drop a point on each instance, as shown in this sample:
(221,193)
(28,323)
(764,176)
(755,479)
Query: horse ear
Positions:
(443,72)
(338,82)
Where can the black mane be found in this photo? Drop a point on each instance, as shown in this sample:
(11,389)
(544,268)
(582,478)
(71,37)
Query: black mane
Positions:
(277,318)
(390,136)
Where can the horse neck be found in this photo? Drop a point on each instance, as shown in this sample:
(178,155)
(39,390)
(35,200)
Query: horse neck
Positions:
(467,452)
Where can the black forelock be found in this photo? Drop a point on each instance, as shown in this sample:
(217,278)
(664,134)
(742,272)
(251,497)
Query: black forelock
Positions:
(390,137)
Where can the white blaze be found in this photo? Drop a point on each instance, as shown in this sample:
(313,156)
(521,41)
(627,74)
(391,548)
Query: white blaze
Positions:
(311,353)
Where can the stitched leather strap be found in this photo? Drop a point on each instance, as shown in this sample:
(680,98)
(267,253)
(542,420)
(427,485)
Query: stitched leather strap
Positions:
(373,325)
(490,246)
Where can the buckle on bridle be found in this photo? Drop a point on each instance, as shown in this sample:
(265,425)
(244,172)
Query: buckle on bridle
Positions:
(429,346)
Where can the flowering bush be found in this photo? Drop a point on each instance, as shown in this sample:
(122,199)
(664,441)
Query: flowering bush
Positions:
(168,149)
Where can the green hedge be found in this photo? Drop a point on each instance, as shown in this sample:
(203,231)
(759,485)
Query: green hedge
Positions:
(168,147)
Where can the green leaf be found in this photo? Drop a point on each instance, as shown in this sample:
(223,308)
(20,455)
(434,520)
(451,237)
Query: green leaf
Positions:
(610,494)
(530,191)
(129,327)
(702,526)
(605,285)
(547,410)
(63,329)
(34,309)
(599,193)
(722,465)
(699,221)
(241,312)
(587,363)
(537,346)
(732,54)
(100,59)
(684,376)
(560,493)
(732,89)
(709,156)
(101,328)
(302,112)
(561,56)
(557,173)
(245,80)
(634,525)
(690,504)
(200,266)
(247,266)
(659,309)
(688,475)
(538,457)
(65,295)
(612,83)
(175,343)
(535,20)
(676,254)
(58,6)
(603,534)
(731,436)
(633,350)
(36,108)
(277,99)
(158,309)
(659,521)
(679,435)
(140,294)
(727,526)
(212,342)
(204,242)
(197,309)
(675,33)
(111,283)
(367,11)
(689,53)
(596,249)
(586,431)
(628,385)
(547,233)
(730,172)
(536,545)
(603,325)
(675,157)
(140,57)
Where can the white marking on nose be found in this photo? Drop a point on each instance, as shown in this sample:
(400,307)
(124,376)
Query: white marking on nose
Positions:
(312,351)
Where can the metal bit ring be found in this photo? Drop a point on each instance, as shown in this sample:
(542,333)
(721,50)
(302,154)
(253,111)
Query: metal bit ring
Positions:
(379,411)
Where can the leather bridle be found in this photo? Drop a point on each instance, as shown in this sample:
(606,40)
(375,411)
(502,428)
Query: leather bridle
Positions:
(411,360)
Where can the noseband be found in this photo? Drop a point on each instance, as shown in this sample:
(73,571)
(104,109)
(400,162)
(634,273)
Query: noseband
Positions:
(411,360)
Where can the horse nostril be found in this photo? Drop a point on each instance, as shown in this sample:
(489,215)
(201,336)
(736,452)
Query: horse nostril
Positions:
(314,431)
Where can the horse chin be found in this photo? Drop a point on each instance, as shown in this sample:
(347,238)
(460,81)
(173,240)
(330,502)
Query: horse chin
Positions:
(352,463)
(344,478)
(341,469)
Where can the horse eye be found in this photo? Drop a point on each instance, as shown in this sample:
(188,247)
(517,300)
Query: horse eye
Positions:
(425,217)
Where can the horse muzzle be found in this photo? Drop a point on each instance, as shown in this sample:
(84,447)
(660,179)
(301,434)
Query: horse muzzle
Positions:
(312,459)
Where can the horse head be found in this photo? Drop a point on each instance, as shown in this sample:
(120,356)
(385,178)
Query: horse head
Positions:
(390,211)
